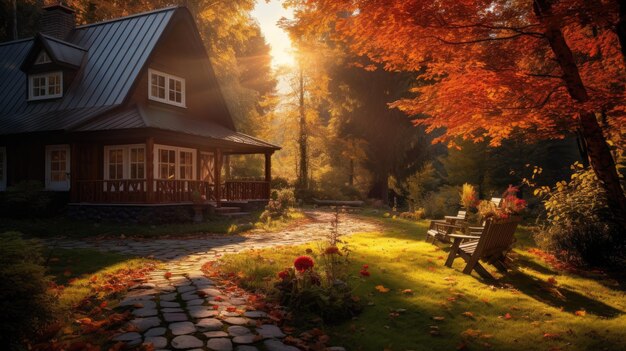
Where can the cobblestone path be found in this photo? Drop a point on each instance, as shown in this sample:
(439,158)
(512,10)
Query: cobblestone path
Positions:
(188,311)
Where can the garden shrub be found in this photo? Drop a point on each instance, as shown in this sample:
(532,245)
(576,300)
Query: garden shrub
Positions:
(26,199)
(580,228)
(322,287)
(279,183)
(415,215)
(25,305)
(279,204)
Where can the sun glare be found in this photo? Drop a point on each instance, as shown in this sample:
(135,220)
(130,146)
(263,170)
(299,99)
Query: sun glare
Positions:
(268,14)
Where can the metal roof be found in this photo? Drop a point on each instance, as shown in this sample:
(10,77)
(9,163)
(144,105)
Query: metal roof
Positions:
(138,117)
(63,52)
(116,52)
(111,55)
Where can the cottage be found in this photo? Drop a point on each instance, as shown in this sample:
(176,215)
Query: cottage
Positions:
(126,112)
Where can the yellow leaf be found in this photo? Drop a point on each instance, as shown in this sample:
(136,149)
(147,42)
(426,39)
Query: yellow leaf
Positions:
(382,289)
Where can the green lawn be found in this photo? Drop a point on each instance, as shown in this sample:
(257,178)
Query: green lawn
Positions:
(47,227)
(534,307)
(74,268)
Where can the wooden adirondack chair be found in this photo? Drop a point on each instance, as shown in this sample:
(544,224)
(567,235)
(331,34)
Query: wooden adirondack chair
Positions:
(439,229)
(490,246)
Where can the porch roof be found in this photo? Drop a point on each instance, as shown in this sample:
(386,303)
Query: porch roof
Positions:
(138,117)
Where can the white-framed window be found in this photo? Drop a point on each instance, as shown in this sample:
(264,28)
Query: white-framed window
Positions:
(3,168)
(166,88)
(58,167)
(125,162)
(174,163)
(45,86)
(43,58)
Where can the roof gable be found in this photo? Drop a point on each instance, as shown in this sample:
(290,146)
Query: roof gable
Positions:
(60,52)
(108,57)
(106,75)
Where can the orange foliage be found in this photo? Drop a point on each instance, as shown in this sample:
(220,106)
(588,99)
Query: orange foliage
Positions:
(485,66)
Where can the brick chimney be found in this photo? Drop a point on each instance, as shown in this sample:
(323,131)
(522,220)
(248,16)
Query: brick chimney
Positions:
(58,21)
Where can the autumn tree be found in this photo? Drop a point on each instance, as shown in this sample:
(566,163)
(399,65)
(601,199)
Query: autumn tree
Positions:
(543,67)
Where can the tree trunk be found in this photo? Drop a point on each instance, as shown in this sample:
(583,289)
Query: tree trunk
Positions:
(380,188)
(620,27)
(15,20)
(598,151)
(303,175)
(351,173)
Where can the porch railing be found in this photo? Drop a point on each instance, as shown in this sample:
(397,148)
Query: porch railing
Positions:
(182,190)
(111,191)
(165,191)
(246,190)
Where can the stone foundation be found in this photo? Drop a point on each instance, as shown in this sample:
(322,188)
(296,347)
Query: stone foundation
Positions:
(148,214)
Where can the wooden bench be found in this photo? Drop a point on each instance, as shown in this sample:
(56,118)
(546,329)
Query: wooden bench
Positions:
(439,229)
(491,246)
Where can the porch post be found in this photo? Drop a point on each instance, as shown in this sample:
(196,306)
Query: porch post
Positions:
(226,167)
(74,172)
(268,166)
(150,195)
(268,173)
(217,176)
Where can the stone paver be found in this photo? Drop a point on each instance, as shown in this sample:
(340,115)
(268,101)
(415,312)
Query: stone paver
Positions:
(198,313)
(220,344)
(158,342)
(186,342)
(270,331)
(182,328)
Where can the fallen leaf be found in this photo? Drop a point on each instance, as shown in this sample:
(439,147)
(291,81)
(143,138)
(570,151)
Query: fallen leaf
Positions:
(507,316)
(551,336)
(468,314)
(471,333)
(438,318)
(407,292)
(382,289)
(581,313)
(167,275)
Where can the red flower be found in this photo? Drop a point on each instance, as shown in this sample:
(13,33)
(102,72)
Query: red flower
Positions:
(364,273)
(283,274)
(303,263)
(332,250)
(366,266)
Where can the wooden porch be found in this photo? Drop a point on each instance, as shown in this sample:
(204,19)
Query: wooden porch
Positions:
(138,191)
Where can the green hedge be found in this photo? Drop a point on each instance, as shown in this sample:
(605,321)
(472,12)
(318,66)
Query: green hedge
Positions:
(25,305)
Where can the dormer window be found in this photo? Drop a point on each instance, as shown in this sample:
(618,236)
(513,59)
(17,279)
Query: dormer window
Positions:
(43,58)
(45,86)
(166,88)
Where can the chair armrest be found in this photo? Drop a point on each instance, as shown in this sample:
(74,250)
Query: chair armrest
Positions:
(463,236)
(435,222)
(446,227)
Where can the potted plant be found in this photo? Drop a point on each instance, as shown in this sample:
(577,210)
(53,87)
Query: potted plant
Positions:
(510,206)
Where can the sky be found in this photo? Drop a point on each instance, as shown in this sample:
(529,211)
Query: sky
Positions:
(268,14)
